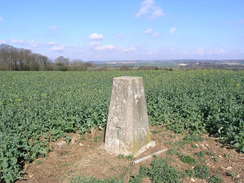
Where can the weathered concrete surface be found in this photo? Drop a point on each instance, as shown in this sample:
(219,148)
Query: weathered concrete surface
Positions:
(127,129)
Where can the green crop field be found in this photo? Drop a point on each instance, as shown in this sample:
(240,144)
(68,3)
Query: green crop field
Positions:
(39,107)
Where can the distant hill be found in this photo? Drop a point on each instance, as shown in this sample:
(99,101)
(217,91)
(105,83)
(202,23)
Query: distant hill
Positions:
(12,58)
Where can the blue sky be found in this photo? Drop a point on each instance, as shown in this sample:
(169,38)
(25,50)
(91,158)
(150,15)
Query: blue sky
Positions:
(125,29)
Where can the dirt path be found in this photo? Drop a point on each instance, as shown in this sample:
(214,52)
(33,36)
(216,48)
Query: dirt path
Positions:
(84,156)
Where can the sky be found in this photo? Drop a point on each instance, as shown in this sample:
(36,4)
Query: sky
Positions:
(125,29)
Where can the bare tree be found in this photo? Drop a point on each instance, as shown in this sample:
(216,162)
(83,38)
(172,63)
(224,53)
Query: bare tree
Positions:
(21,59)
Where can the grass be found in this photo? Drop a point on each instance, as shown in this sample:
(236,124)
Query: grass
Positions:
(187,159)
(136,179)
(38,162)
(184,158)
(128,157)
(202,154)
(67,139)
(97,139)
(159,172)
(232,174)
(155,131)
(188,139)
(192,138)
(172,151)
(194,146)
(94,180)
(215,179)
(201,172)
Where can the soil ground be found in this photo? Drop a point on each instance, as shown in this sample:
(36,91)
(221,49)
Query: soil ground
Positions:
(84,156)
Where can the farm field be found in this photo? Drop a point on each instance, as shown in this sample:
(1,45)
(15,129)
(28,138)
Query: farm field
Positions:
(37,108)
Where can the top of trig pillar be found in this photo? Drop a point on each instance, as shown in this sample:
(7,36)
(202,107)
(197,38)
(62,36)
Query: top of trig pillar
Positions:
(127,78)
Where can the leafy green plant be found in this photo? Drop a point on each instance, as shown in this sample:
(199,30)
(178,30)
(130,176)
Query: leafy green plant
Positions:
(189,173)
(201,154)
(161,172)
(39,107)
(136,179)
(201,171)
(187,159)
(231,174)
(172,151)
(128,157)
(192,138)
(215,179)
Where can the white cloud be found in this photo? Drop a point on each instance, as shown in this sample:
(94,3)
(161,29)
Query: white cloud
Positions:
(95,43)
(216,51)
(129,50)
(158,12)
(172,30)
(148,31)
(155,34)
(53,28)
(1,19)
(58,48)
(111,47)
(25,43)
(16,41)
(98,46)
(151,32)
(209,52)
(33,43)
(149,8)
(2,42)
(120,36)
(200,51)
(219,51)
(105,47)
(51,43)
(96,36)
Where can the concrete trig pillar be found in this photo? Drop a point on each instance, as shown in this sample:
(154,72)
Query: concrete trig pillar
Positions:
(127,131)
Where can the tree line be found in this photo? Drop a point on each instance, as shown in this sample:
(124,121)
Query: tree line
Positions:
(18,59)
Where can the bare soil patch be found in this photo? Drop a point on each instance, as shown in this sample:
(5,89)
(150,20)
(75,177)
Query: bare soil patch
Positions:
(84,156)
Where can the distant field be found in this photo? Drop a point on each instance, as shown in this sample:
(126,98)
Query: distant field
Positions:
(39,107)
